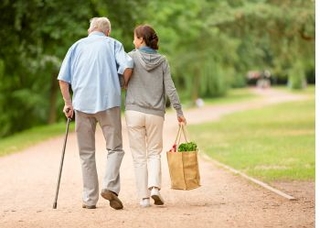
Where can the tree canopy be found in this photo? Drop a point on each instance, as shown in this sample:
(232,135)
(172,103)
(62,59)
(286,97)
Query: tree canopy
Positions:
(211,45)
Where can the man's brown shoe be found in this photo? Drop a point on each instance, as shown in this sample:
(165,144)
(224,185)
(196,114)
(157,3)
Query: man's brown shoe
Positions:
(115,202)
(89,207)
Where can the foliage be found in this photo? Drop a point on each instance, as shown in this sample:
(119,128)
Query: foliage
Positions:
(276,35)
(31,51)
(187,146)
(211,45)
(31,54)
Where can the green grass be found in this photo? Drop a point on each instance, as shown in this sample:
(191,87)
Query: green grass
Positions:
(273,143)
(232,96)
(31,137)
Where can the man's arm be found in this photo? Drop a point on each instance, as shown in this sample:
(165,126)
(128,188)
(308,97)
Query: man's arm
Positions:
(68,108)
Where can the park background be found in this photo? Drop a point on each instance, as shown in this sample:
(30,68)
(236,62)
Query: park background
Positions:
(218,51)
(213,47)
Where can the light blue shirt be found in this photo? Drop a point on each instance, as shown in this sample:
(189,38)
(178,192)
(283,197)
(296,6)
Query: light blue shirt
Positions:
(91,66)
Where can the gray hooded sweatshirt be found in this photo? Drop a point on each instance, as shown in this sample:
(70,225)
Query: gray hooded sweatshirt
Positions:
(150,83)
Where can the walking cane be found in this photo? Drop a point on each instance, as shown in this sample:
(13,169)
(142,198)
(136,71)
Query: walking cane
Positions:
(61,163)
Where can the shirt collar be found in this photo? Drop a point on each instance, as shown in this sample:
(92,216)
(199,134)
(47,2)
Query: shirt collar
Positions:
(97,33)
(147,50)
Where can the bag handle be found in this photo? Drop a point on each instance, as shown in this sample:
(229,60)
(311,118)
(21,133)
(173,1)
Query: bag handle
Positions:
(181,130)
(178,137)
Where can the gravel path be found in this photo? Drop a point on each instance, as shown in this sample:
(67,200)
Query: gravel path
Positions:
(28,183)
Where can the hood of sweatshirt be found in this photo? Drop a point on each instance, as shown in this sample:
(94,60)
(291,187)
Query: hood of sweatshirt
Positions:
(149,60)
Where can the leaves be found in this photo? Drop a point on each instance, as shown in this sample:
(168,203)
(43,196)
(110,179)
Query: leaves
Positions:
(210,45)
(188,146)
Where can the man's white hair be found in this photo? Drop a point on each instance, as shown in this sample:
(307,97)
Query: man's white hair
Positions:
(101,24)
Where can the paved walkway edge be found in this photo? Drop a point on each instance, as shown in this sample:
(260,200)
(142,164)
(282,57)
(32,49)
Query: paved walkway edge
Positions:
(258,182)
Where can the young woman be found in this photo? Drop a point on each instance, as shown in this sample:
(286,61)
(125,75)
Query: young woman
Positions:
(145,104)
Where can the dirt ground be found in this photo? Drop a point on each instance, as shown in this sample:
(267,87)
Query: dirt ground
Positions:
(29,179)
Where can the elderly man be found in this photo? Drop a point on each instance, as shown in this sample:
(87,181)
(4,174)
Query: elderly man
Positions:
(92,67)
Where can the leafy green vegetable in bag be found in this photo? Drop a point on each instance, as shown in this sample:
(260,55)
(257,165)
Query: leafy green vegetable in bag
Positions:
(189,146)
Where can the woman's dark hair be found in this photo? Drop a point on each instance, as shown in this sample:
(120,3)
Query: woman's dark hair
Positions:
(148,34)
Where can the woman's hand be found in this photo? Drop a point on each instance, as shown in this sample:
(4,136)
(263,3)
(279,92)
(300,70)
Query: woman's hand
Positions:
(182,120)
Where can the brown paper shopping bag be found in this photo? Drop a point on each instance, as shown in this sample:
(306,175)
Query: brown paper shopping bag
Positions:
(183,166)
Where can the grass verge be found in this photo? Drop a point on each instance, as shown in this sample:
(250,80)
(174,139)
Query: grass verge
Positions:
(25,139)
(273,143)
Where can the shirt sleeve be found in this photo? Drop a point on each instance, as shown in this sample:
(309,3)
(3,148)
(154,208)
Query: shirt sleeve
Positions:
(123,60)
(171,90)
(65,72)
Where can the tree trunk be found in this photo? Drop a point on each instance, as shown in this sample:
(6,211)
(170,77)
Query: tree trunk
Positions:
(53,99)
(196,85)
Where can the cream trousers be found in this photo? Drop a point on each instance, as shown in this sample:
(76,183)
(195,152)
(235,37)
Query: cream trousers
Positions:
(146,143)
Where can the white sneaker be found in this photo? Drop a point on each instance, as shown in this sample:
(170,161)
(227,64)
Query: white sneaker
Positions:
(145,202)
(155,195)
